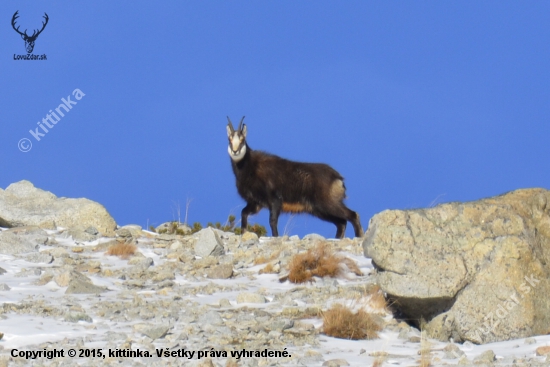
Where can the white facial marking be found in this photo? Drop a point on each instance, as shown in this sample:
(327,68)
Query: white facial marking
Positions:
(235,153)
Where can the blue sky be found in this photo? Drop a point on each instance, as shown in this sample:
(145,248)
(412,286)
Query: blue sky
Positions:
(414,103)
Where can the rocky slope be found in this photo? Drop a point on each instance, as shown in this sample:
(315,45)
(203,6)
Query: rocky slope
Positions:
(58,293)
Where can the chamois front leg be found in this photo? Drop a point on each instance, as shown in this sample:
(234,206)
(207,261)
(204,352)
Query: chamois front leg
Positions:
(274,212)
(250,208)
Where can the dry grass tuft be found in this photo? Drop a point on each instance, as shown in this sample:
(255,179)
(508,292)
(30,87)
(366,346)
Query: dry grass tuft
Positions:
(268,269)
(319,261)
(378,361)
(122,250)
(377,301)
(341,322)
(425,351)
(265,259)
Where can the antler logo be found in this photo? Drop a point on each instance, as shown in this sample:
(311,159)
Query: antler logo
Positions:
(29,40)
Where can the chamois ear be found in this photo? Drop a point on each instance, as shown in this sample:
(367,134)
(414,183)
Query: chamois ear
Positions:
(243,130)
(228,131)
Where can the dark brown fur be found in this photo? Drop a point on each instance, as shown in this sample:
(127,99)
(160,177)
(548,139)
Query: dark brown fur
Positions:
(267,181)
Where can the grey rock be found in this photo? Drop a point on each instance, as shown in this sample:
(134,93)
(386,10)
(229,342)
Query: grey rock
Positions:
(211,318)
(2,271)
(164,275)
(281,325)
(452,351)
(335,363)
(79,233)
(79,286)
(223,271)
(76,317)
(209,243)
(135,283)
(92,230)
(130,230)
(485,357)
(246,297)
(224,302)
(22,240)
(140,264)
(313,237)
(152,331)
(115,336)
(22,204)
(176,245)
(58,252)
(457,264)
(123,232)
(4,287)
(40,257)
(63,279)
(171,228)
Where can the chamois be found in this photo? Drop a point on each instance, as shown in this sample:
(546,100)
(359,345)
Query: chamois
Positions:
(267,181)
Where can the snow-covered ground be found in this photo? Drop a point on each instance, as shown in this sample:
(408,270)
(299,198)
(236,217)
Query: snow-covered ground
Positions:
(34,313)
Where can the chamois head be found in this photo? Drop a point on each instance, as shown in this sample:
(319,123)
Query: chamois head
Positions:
(237,140)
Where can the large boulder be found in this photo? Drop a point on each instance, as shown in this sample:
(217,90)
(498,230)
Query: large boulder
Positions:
(22,204)
(476,271)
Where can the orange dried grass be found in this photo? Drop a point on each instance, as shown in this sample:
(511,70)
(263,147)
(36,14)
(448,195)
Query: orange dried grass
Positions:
(122,250)
(342,322)
(319,261)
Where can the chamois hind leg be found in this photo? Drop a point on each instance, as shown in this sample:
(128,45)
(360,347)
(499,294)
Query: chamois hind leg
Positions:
(339,222)
(340,228)
(354,219)
(250,208)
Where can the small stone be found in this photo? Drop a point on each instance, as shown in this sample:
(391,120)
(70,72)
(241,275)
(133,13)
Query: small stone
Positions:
(335,363)
(4,287)
(152,331)
(281,325)
(250,298)
(530,341)
(123,232)
(224,302)
(223,271)
(77,249)
(164,275)
(78,286)
(63,279)
(81,234)
(45,278)
(176,245)
(313,237)
(2,271)
(249,236)
(452,351)
(485,357)
(211,318)
(39,257)
(59,252)
(92,230)
(209,243)
(76,317)
(22,240)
